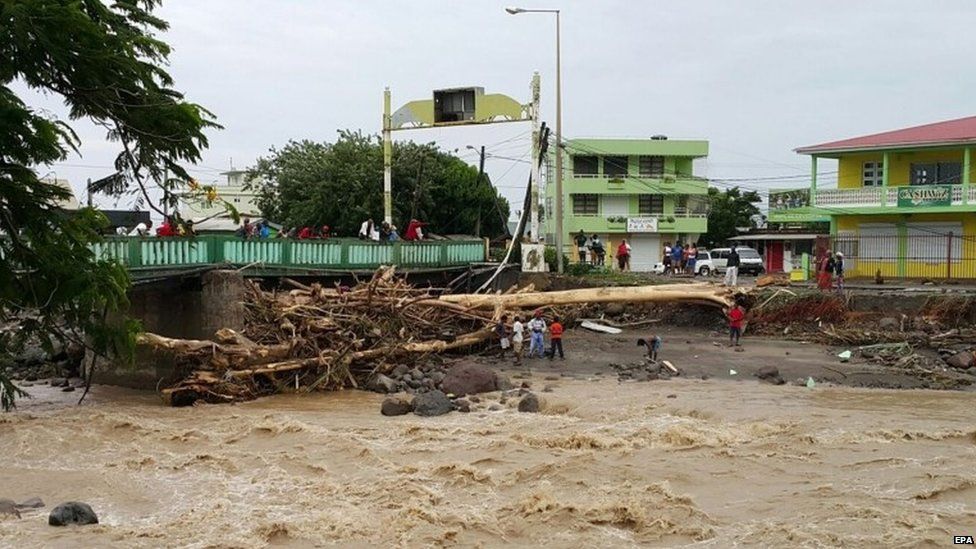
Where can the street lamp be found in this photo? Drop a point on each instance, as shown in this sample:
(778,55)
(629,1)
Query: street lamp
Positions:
(559,137)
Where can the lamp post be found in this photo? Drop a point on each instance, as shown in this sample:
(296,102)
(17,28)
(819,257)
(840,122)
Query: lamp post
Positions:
(559,137)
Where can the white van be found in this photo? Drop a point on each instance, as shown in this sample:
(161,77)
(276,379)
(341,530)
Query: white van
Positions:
(713,261)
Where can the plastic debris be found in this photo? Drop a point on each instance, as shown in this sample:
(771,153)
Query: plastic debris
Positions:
(732,372)
(811,383)
(845,356)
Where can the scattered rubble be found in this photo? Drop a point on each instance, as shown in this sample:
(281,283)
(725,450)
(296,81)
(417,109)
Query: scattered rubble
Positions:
(72,512)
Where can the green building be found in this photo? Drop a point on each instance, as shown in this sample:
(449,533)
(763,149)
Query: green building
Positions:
(643,190)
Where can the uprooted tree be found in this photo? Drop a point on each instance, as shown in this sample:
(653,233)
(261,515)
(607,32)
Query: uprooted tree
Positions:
(314,338)
(106,63)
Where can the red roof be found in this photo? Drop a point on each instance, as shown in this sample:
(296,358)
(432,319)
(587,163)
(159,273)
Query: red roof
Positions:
(959,131)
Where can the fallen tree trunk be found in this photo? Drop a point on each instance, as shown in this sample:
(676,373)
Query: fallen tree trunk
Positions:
(700,293)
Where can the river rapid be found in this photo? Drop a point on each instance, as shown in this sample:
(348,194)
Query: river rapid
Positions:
(671,463)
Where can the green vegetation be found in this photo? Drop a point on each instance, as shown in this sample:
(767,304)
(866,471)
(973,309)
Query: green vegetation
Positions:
(106,64)
(338,184)
(729,209)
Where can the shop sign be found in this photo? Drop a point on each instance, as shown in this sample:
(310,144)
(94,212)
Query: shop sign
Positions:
(924,196)
(641,224)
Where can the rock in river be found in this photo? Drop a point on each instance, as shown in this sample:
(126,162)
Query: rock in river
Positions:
(8,509)
(396,406)
(434,403)
(72,512)
(529,403)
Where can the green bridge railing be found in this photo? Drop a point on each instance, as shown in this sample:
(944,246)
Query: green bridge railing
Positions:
(287,254)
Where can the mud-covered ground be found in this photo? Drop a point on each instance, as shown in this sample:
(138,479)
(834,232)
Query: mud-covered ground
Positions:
(699,352)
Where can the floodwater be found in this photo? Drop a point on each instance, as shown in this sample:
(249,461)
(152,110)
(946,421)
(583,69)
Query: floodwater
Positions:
(669,463)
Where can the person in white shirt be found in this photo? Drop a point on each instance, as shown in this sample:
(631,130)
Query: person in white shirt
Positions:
(366,230)
(517,329)
(537,333)
(142,229)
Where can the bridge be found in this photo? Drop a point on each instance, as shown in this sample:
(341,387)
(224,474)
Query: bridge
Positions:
(154,257)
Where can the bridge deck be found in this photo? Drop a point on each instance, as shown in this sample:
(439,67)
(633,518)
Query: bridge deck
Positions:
(285,255)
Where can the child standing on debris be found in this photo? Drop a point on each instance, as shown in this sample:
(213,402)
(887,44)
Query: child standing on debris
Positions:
(556,339)
(537,330)
(736,316)
(517,329)
(501,330)
(653,345)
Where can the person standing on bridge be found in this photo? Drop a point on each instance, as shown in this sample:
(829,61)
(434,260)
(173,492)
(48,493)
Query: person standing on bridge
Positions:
(142,229)
(366,230)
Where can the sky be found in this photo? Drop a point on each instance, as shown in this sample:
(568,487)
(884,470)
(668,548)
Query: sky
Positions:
(756,78)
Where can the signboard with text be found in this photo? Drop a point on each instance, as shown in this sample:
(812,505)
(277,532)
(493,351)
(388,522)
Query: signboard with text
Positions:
(784,200)
(924,196)
(641,224)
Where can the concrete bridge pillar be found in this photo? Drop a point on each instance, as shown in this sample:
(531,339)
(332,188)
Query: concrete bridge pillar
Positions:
(222,302)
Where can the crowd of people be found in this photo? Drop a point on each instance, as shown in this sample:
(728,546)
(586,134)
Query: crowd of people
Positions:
(512,337)
(591,249)
(382,232)
(171,227)
(680,258)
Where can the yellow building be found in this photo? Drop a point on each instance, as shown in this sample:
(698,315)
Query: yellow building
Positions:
(904,205)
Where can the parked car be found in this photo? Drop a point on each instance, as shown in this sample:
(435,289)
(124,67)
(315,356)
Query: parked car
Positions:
(713,261)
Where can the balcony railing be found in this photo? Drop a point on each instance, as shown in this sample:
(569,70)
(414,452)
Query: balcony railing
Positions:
(867,197)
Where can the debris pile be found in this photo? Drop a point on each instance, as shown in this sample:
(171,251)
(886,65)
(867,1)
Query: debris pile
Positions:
(313,338)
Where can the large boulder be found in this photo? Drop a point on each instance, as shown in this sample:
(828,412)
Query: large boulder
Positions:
(961,360)
(72,512)
(396,406)
(529,403)
(434,403)
(382,384)
(470,379)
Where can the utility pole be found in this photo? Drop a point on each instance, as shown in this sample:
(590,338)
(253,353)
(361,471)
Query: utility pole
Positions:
(89,189)
(387,160)
(481,175)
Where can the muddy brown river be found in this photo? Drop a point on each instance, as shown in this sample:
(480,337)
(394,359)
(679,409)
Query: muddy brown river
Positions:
(678,463)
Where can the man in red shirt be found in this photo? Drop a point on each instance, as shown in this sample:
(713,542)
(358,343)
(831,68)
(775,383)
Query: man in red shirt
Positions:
(736,316)
(556,339)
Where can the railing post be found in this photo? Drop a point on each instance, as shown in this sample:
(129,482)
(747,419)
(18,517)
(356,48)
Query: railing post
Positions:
(443,253)
(285,251)
(135,251)
(884,179)
(344,253)
(949,255)
(396,255)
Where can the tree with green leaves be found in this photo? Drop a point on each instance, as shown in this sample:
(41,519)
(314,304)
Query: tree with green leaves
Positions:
(729,209)
(339,184)
(105,62)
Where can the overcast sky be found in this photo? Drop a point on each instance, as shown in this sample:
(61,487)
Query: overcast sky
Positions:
(756,78)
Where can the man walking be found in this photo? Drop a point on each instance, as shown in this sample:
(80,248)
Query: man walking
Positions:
(732,268)
(537,330)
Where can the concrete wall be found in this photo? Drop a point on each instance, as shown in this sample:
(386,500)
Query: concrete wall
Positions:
(191,308)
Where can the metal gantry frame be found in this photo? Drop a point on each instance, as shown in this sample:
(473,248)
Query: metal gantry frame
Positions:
(488,109)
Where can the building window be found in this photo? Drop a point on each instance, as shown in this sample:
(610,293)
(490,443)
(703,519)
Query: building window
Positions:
(584,165)
(872,174)
(615,166)
(650,204)
(936,173)
(651,166)
(586,204)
